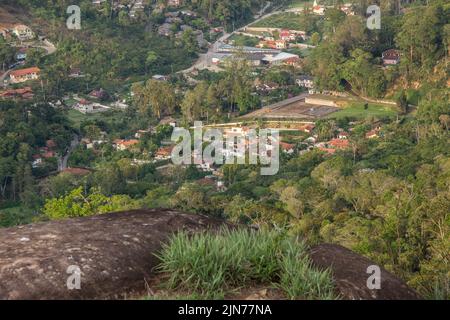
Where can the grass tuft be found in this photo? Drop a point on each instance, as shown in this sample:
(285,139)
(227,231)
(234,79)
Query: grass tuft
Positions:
(212,264)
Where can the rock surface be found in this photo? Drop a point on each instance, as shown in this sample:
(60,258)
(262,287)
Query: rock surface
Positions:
(350,275)
(113,251)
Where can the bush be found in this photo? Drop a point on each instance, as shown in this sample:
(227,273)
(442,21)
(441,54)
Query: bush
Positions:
(210,264)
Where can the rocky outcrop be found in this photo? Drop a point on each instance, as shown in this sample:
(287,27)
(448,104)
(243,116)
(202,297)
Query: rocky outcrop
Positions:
(350,272)
(114,252)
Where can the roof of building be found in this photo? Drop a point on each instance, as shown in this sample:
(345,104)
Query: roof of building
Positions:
(282,56)
(126,143)
(23,72)
(287,146)
(391,54)
(339,143)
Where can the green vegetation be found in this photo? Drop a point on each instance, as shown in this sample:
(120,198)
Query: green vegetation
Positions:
(288,20)
(213,264)
(358,111)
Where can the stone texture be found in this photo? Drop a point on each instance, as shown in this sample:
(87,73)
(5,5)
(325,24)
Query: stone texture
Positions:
(350,274)
(114,251)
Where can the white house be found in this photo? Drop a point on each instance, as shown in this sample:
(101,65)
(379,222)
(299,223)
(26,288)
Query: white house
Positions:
(23,32)
(305,82)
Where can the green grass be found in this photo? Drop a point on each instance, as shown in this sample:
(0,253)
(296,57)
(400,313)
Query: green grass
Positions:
(77,117)
(241,40)
(287,20)
(213,264)
(299,3)
(356,111)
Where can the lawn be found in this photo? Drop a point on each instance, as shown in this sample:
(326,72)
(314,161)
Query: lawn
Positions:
(285,20)
(299,3)
(241,40)
(356,111)
(77,117)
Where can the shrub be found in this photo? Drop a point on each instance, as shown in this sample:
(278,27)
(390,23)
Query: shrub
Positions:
(211,264)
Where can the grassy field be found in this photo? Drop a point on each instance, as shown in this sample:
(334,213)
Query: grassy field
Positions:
(241,40)
(77,117)
(285,20)
(356,110)
(300,3)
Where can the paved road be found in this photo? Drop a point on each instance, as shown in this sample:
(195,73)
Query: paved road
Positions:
(204,59)
(62,161)
(47,46)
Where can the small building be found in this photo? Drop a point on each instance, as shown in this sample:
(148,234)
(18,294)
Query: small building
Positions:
(391,57)
(23,32)
(84,106)
(343,135)
(373,134)
(75,73)
(164,153)
(165,30)
(287,147)
(160,77)
(22,93)
(23,75)
(174,3)
(99,94)
(305,82)
(168,121)
(287,35)
(125,144)
(340,144)
(282,58)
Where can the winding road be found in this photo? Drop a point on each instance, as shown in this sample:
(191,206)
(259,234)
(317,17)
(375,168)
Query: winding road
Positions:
(205,58)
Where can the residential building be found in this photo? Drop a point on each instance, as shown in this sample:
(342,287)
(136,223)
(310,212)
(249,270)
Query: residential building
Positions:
(84,106)
(23,32)
(23,75)
(164,153)
(99,94)
(22,93)
(287,147)
(305,82)
(320,10)
(391,57)
(125,144)
(174,3)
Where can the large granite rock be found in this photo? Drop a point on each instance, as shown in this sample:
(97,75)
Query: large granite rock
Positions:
(114,252)
(350,275)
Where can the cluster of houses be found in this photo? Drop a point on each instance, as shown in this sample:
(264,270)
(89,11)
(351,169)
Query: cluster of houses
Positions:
(176,23)
(21,93)
(256,56)
(347,8)
(20,31)
(133,6)
(44,153)
(286,39)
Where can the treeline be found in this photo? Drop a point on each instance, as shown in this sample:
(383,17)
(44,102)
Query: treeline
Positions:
(23,129)
(349,56)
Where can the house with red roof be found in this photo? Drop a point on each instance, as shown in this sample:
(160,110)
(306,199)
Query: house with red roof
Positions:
(23,75)
(390,57)
(125,144)
(164,153)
